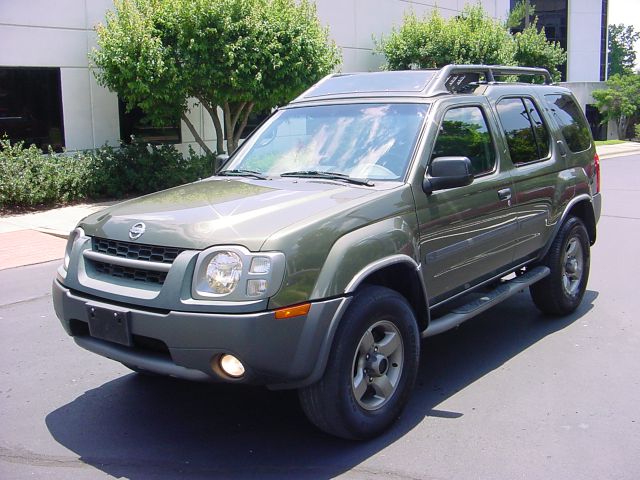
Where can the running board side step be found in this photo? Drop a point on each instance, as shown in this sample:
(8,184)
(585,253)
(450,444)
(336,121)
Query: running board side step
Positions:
(464,312)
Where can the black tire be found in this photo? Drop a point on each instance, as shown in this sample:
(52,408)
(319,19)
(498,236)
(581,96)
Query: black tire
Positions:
(345,402)
(562,290)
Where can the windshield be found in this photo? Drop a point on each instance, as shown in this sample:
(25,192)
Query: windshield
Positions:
(373,141)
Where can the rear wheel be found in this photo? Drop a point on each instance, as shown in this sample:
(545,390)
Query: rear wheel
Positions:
(371,369)
(562,290)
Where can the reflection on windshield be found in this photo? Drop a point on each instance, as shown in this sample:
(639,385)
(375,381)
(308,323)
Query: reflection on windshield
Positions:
(363,141)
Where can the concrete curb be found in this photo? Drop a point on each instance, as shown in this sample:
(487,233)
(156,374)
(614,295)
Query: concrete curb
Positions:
(605,156)
(53,233)
(618,150)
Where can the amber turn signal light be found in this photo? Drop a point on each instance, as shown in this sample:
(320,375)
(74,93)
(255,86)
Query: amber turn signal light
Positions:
(296,311)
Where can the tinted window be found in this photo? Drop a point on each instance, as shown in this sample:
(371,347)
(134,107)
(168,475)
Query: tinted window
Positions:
(31,106)
(574,128)
(464,133)
(527,137)
(539,129)
(135,124)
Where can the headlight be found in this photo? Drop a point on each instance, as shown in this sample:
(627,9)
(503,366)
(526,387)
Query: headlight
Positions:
(233,273)
(223,272)
(73,236)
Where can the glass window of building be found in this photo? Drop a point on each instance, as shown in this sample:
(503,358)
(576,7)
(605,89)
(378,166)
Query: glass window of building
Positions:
(552,15)
(133,124)
(31,106)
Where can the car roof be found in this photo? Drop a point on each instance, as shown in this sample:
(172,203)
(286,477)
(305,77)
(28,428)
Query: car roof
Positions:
(449,80)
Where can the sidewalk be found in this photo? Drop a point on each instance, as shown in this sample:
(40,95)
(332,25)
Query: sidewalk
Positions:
(611,151)
(40,237)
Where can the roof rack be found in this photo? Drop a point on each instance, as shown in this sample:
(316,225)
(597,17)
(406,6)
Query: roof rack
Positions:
(452,76)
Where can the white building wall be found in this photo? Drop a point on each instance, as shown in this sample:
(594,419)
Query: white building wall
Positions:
(43,33)
(354,24)
(583,40)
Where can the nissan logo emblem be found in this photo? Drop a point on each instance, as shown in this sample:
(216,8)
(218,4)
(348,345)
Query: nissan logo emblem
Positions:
(137,230)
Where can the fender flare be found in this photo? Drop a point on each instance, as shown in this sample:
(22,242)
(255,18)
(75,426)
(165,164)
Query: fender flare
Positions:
(574,201)
(357,280)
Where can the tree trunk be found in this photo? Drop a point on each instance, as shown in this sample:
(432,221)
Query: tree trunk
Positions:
(195,134)
(236,116)
(228,127)
(213,113)
(623,126)
(248,107)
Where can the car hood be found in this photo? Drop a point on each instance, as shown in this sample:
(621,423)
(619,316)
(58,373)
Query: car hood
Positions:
(227,211)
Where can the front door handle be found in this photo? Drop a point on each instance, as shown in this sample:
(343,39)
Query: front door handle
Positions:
(504,194)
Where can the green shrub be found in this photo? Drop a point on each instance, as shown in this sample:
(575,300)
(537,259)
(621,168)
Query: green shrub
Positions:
(138,168)
(637,131)
(28,177)
(31,178)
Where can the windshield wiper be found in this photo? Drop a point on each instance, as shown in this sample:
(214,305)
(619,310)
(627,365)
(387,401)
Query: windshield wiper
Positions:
(242,173)
(329,176)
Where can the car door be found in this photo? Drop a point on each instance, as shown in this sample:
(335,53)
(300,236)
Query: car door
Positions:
(466,233)
(538,177)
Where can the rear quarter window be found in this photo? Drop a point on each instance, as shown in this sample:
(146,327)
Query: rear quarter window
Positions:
(571,121)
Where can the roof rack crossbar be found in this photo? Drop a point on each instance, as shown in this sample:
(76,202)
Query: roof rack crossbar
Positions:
(438,84)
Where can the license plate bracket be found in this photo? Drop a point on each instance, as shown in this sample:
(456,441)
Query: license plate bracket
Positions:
(110,324)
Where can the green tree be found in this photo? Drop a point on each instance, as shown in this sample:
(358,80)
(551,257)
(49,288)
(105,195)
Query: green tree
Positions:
(432,42)
(534,50)
(471,37)
(238,56)
(620,101)
(622,55)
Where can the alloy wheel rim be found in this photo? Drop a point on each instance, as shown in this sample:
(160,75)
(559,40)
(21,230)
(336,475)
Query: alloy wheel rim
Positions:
(572,267)
(377,365)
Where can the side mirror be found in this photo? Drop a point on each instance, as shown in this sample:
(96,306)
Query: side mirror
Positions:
(220,160)
(447,172)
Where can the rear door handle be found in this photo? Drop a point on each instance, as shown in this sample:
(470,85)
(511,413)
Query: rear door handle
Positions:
(562,148)
(504,194)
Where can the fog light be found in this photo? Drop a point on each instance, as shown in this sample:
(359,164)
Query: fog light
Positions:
(231,366)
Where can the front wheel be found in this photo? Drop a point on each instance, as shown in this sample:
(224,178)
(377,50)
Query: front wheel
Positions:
(371,369)
(562,290)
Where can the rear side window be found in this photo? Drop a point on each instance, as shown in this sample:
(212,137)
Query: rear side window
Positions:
(527,135)
(464,133)
(572,123)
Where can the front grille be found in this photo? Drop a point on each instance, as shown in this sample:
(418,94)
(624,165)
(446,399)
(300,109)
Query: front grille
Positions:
(149,276)
(133,251)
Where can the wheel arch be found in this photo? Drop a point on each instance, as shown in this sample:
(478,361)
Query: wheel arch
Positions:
(400,273)
(582,208)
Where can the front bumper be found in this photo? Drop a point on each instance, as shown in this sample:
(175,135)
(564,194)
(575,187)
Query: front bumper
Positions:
(285,353)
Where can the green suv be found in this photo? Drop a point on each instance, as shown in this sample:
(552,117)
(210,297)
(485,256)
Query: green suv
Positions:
(374,210)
